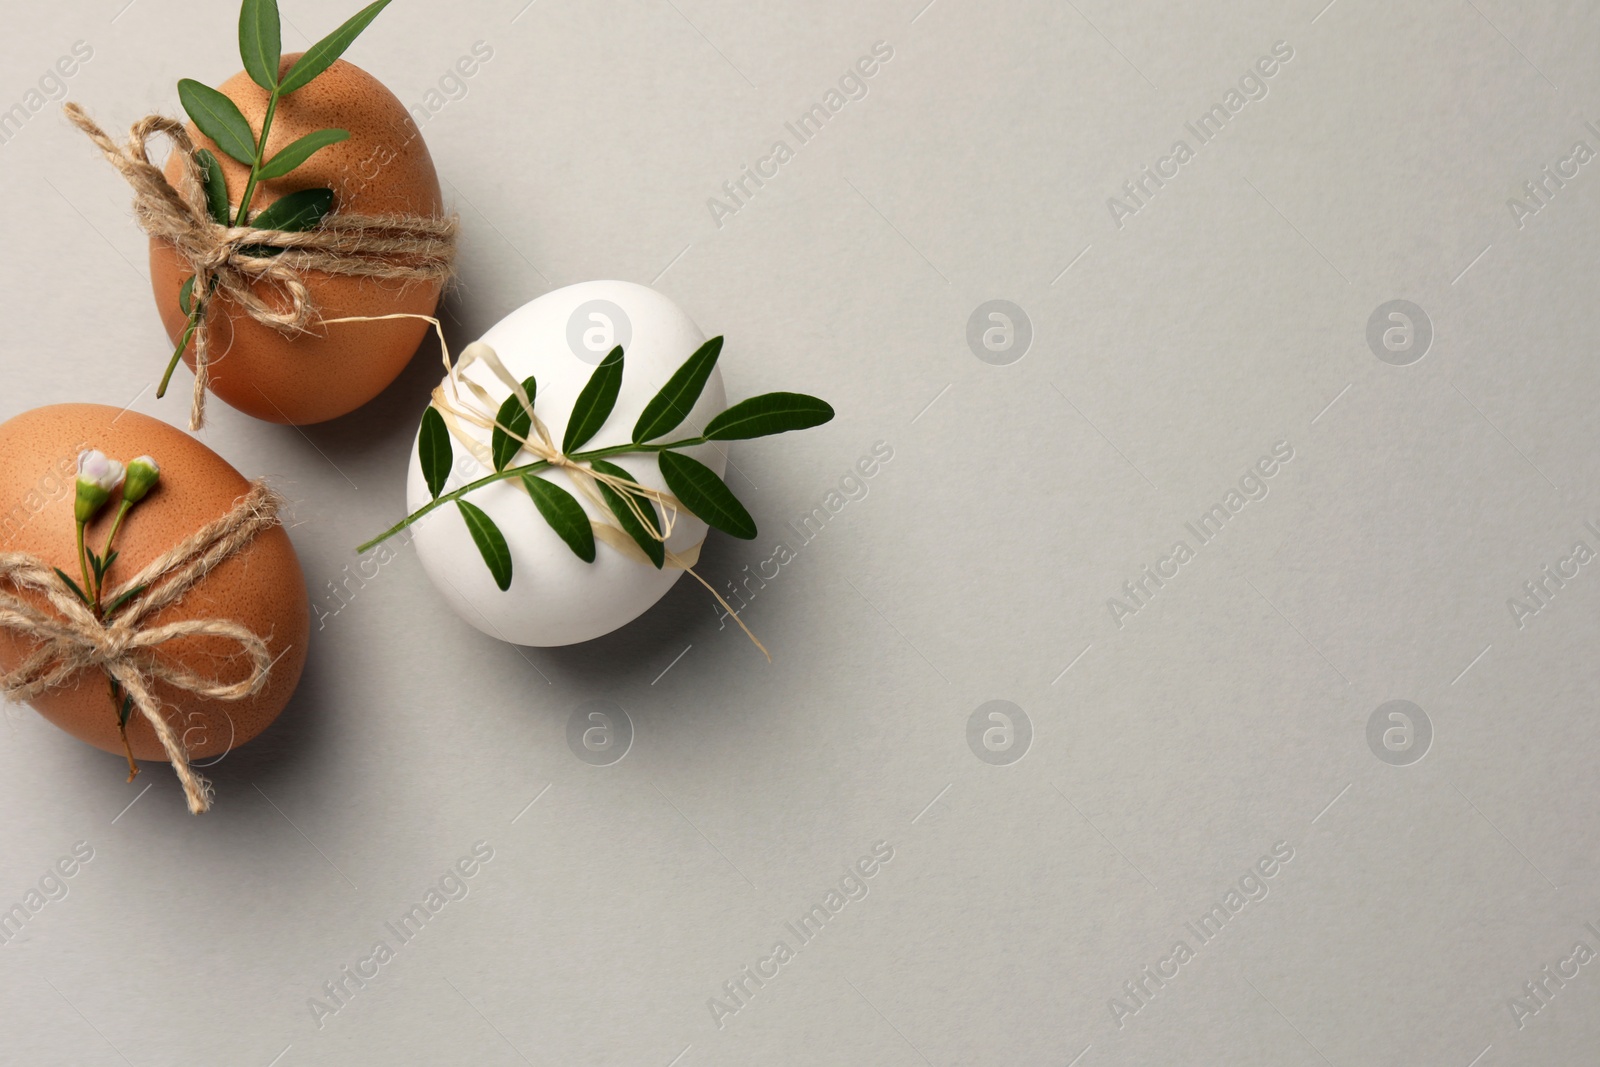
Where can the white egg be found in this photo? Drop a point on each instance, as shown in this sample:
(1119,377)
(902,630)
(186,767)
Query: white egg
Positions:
(556,598)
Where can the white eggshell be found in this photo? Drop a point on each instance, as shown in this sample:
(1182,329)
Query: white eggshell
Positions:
(555,598)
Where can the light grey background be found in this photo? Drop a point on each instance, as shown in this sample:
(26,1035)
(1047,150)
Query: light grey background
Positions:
(1168,755)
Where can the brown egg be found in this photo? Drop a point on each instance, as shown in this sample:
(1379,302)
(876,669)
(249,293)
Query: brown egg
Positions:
(383,169)
(261,587)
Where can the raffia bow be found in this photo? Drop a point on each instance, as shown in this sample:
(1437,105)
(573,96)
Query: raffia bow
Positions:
(456,410)
(73,639)
(226,260)
(476,408)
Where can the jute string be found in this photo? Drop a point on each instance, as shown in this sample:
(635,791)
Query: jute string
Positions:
(73,639)
(227,260)
(481,411)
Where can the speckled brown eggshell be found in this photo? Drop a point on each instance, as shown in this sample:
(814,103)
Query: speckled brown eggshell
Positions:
(383,169)
(260,587)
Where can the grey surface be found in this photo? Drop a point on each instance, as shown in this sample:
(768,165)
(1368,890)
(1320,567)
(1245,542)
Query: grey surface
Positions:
(1167,755)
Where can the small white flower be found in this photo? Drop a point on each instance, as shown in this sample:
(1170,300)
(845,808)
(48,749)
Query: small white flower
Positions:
(142,475)
(98,478)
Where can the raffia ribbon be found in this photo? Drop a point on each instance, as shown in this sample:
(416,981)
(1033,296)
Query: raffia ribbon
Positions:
(399,248)
(480,410)
(125,647)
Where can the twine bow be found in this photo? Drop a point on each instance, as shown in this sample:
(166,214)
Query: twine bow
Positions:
(230,260)
(74,639)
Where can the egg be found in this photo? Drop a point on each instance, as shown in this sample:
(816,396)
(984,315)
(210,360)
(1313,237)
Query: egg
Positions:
(383,169)
(556,598)
(261,587)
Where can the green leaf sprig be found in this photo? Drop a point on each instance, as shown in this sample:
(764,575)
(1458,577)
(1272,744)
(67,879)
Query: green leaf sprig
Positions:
(219,118)
(631,506)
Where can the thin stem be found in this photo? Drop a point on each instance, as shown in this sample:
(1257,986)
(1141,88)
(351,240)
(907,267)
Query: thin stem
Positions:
(116,690)
(617,450)
(183,343)
(122,726)
(127,748)
(116,525)
(440,501)
(517,472)
(83,561)
(255,167)
(196,315)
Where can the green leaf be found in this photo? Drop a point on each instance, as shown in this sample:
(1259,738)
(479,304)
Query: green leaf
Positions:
(656,550)
(260,41)
(72,585)
(514,417)
(564,514)
(491,543)
(767,414)
(595,402)
(668,408)
(123,598)
(297,153)
(296,211)
(125,710)
(320,56)
(98,565)
(703,493)
(436,453)
(216,186)
(186,296)
(219,119)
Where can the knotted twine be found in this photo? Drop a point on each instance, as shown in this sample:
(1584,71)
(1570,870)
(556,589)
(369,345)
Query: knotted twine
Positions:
(480,411)
(74,640)
(227,260)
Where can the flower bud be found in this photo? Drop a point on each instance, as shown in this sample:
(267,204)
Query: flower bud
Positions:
(143,473)
(98,478)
